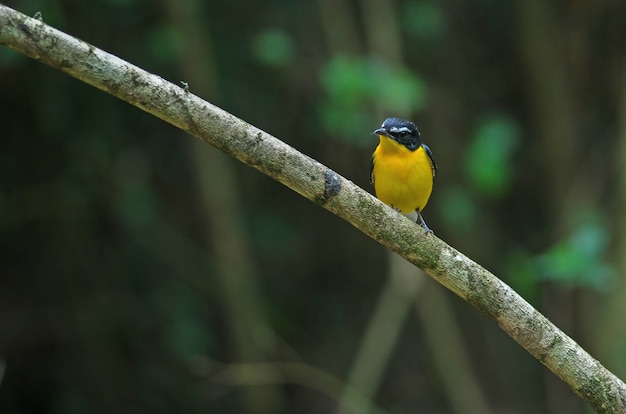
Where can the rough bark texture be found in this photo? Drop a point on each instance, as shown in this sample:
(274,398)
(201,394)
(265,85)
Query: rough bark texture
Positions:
(562,355)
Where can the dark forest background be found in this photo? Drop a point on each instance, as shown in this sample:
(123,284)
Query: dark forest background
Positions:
(142,271)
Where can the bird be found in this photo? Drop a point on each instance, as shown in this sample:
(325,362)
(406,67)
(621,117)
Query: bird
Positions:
(403,169)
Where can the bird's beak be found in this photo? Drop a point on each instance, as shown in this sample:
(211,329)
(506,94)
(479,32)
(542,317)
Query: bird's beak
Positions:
(381,131)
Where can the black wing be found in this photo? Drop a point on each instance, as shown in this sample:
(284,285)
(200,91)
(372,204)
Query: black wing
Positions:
(432,160)
(372,170)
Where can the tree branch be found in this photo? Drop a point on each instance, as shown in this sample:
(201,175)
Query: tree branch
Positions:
(587,377)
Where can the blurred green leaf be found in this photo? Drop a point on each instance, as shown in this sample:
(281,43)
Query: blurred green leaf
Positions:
(579,259)
(274,47)
(488,159)
(398,90)
(356,85)
(457,207)
(520,271)
(342,123)
(346,80)
(347,83)
(424,19)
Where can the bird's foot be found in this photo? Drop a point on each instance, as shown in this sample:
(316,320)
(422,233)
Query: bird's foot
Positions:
(423,224)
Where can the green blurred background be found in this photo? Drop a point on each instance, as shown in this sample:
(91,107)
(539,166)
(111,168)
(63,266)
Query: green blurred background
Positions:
(142,271)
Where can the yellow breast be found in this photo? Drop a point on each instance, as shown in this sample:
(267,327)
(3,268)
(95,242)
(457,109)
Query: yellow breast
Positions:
(402,178)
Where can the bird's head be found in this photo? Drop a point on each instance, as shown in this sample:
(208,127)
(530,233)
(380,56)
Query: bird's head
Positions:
(402,131)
